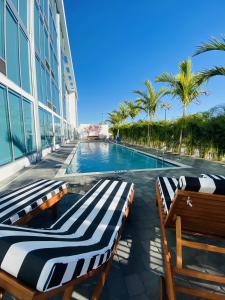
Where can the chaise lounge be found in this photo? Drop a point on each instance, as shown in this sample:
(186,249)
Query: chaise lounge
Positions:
(21,205)
(195,206)
(78,245)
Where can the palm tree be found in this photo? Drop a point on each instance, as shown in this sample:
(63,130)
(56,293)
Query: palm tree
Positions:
(149,102)
(115,118)
(165,106)
(185,86)
(132,109)
(123,112)
(213,45)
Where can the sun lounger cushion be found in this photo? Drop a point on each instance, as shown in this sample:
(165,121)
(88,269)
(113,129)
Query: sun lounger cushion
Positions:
(167,188)
(80,241)
(213,176)
(15,205)
(212,184)
(201,184)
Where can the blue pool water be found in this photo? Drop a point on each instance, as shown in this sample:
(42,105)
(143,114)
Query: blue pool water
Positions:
(103,157)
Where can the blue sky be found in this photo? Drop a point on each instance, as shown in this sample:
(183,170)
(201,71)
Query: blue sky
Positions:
(117,44)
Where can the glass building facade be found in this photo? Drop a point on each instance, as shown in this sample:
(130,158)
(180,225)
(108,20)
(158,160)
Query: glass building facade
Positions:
(36,77)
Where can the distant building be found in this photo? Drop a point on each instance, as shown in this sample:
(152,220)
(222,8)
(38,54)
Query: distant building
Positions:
(38,94)
(92,131)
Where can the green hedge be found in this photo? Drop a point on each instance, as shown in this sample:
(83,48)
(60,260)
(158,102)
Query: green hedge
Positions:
(202,135)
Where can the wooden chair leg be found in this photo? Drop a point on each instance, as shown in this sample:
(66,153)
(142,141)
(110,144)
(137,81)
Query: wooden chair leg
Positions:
(163,295)
(2,293)
(129,217)
(178,243)
(54,212)
(102,279)
(68,293)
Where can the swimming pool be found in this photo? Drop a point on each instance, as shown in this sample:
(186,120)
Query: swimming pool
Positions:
(94,157)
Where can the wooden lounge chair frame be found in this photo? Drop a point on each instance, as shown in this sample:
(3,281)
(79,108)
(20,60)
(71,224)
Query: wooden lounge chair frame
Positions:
(197,214)
(21,292)
(50,203)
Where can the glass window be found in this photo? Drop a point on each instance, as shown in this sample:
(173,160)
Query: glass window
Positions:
(54,39)
(55,68)
(50,22)
(46,9)
(42,40)
(15,2)
(38,79)
(51,58)
(55,98)
(23,11)
(49,129)
(43,83)
(46,46)
(48,88)
(64,97)
(57,130)
(29,126)
(46,128)
(42,127)
(1,29)
(41,4)
(16,117)
(36,27)
(5,140)
(24,61)
(12,48)
(57,101)
(53,93)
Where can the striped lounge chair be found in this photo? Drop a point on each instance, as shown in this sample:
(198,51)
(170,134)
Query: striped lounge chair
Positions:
(213,176)
(21,205)
(78,245)
(196,206)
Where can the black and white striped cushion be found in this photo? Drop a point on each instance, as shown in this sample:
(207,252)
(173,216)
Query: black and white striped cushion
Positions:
(213,176)
(167,188)
(201,184)
(15,205)
(80,241)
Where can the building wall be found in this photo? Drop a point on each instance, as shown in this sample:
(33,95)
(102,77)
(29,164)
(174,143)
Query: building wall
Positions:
(93,130)
(36,82)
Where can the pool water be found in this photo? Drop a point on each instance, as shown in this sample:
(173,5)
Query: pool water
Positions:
(106,157)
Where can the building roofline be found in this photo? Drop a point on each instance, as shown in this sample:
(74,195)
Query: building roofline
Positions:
(69,70)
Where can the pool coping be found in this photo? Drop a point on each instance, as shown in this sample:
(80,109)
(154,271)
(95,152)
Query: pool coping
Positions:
(62,171)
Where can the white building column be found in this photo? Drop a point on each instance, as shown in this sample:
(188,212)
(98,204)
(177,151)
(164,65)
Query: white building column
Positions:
(33,78)
(60,74)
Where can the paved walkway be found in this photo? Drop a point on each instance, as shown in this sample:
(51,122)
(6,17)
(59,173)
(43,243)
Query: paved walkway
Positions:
(138,263)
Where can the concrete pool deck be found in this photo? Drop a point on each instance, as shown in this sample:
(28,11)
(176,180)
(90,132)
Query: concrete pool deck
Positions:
(138,262)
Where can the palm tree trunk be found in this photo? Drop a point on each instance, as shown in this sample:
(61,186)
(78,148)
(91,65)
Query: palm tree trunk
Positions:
(132,131)
(180,140)
(181,130)
(148,141)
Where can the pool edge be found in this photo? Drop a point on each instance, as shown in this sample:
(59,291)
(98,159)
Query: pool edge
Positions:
(62,171)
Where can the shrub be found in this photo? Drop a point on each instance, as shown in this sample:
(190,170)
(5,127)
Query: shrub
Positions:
(203,134)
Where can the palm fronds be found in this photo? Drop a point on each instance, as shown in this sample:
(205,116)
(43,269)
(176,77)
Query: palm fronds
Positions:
(132,109)
(115,118)
(212,45)
(149,101)
(185,85)
(208,73)
(166,77)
